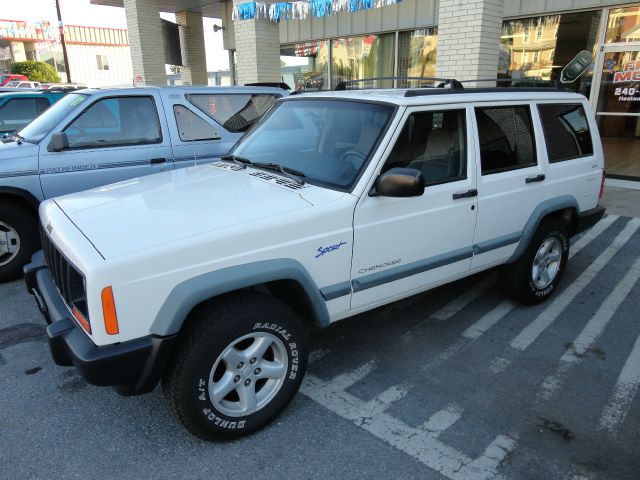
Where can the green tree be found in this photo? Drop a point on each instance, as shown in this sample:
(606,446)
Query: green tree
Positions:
(36,71)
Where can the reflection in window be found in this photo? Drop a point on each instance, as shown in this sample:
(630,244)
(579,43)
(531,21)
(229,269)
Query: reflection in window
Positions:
(535,50)
(506,138)
(236,112)
(566,131)
(305,66)
(363,57)
(191,127)
(417,55)
(623,25)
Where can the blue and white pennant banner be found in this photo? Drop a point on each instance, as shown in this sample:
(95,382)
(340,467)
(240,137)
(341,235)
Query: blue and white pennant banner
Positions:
(300,10)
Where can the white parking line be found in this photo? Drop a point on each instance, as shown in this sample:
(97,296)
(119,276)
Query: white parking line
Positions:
(504,308)
(532,331)
(624,391)
(592,330)
(420,443)
(489,320)
(453,307)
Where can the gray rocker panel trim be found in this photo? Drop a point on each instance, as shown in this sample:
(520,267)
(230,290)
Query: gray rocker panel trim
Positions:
(396,273)
(190,293)
(336,291)
(545,208)
(498,242)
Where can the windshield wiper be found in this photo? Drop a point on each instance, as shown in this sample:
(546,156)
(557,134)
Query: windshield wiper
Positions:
(243,162)
(291,173)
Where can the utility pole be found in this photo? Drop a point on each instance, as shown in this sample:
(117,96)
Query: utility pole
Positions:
(64,44)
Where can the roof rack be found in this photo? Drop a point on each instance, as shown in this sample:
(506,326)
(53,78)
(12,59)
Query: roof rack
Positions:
(527,82)
(451,83)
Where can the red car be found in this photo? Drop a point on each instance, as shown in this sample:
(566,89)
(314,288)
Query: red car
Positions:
(8,77)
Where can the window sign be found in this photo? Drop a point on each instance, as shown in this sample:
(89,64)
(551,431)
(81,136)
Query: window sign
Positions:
(620,84)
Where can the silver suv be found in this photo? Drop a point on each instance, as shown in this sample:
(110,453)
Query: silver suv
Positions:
(92,138)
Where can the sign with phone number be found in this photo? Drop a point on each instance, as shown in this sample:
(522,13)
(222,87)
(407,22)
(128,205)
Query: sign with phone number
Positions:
(629,94)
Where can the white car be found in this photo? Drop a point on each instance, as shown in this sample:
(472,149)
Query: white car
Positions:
(22,84)
(334,203)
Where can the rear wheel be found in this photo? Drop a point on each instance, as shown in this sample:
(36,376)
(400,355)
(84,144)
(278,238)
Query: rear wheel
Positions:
(18,239)
(535,276)
(239,364)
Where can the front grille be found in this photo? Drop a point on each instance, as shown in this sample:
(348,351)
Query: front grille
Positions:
(68,280)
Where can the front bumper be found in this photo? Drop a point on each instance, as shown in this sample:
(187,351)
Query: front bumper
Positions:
(132,367)
(589,218)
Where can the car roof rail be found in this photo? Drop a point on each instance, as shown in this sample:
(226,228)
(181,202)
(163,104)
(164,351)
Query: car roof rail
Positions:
(527,82)
(281,85)
(443,82)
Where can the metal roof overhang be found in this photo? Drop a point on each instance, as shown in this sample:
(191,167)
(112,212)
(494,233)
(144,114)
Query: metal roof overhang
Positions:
(208,8)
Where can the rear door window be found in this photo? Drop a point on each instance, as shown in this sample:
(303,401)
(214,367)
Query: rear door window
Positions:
(566,131)
(235,112)
(506,138)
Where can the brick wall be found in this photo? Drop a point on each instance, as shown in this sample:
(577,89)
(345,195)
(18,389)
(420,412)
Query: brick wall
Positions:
(145,39)
(194,60)
(469,38)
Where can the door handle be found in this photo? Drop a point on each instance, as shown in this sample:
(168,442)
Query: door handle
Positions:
(469,193)
(537,178)
(157,161)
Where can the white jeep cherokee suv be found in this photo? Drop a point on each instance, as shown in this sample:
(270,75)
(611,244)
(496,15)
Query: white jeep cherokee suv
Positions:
(334,203)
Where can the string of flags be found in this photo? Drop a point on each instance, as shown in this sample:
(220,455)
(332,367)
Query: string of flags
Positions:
(301,10)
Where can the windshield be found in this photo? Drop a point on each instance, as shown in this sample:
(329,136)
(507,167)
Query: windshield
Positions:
(41,126)
(330,141)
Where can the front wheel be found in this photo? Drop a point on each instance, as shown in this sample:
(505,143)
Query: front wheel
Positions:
(18,239)
(536,275)
(239,364)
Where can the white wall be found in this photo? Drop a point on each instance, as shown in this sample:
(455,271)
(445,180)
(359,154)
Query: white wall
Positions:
(84,66)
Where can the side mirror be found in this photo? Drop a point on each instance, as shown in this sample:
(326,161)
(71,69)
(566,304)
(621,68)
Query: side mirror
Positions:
(576,67)
(59,142)
(399,182)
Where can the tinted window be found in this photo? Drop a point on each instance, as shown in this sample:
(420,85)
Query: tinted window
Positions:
(435,144)
(235,112)
(329,141)
(116,121)
(191,127)
(506,138)
(566,131)
(18,112)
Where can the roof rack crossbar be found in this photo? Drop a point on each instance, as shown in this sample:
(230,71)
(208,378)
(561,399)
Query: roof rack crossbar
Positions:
(526,82)
(452,82)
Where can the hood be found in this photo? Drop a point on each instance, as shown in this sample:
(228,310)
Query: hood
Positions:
(14,150)
(166,207)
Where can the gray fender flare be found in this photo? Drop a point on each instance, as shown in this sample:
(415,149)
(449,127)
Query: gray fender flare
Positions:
(190,293)
(545,208)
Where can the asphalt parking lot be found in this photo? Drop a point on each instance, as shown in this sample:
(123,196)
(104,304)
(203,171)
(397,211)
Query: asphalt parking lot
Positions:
(457,383)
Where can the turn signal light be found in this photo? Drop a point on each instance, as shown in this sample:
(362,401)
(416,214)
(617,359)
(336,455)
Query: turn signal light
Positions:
(81,320)
(109,311)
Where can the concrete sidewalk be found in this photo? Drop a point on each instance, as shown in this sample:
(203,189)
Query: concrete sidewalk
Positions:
(621,201)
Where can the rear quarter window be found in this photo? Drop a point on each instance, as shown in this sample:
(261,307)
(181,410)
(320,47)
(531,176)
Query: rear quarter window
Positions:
(236,112)
(566,131)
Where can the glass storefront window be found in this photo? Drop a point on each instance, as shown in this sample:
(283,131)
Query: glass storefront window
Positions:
(535,50)
(305,66)
(417,55)
(623,25)
(364,56)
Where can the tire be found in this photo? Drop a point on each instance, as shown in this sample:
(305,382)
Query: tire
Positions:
(219,337)
(18,239)
(518,280)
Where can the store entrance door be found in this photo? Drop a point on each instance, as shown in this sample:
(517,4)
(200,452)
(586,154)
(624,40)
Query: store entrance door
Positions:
(617,107)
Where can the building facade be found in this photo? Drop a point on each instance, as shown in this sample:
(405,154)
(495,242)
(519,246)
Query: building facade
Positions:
(98,57)
(521,42)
